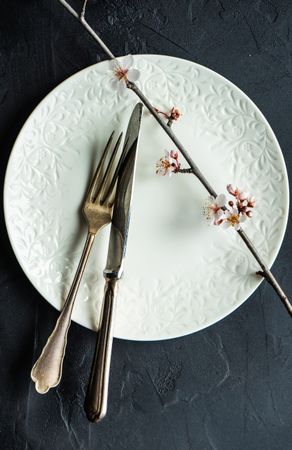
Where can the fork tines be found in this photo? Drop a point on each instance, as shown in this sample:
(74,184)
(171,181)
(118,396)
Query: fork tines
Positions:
(103,183)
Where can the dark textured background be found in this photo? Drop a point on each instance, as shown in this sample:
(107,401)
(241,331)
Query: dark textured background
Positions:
(226,388)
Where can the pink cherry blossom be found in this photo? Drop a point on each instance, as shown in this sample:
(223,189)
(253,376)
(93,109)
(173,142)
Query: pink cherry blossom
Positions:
(233,190)
(250,201)
(168,164)
(173,114)
(236,192)
(230,213)
(242,196)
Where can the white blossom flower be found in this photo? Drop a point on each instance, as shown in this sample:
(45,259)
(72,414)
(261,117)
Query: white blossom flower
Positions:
(233,218)
(168,164)
(213,210)
(123,72)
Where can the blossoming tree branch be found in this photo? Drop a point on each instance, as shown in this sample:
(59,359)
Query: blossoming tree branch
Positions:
(228,214)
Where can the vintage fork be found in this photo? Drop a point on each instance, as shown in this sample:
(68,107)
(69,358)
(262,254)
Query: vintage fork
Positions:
(97,210)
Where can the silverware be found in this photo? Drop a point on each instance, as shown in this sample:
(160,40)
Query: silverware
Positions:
(97,211)
(96,397)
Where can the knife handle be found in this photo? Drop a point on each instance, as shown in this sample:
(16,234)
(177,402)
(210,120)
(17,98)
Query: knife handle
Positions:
(97,392)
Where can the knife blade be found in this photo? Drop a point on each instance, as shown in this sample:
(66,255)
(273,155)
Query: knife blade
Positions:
(97,393)
(122,207)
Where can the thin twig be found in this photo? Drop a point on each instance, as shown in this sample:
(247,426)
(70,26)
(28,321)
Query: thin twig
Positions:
(188,170)
(69,8)
(82,15)
(266,273)
(88,27)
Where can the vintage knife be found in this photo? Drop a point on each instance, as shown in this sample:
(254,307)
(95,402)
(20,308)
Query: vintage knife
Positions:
(97,393)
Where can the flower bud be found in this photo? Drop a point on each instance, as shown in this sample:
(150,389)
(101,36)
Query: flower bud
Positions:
(242,196)
(175,114)
(173,154)
(251,202)
(232,189)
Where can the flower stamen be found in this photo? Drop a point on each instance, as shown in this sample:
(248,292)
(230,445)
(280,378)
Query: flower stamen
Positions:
(121,73)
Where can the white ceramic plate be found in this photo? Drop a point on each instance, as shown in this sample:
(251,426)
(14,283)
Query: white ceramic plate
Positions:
(181,274)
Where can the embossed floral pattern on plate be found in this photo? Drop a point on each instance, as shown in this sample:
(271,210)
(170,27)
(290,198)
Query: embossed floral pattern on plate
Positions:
(181,275)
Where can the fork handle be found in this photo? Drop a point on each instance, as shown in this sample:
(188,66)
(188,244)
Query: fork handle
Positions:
(97,392)
(47,370)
